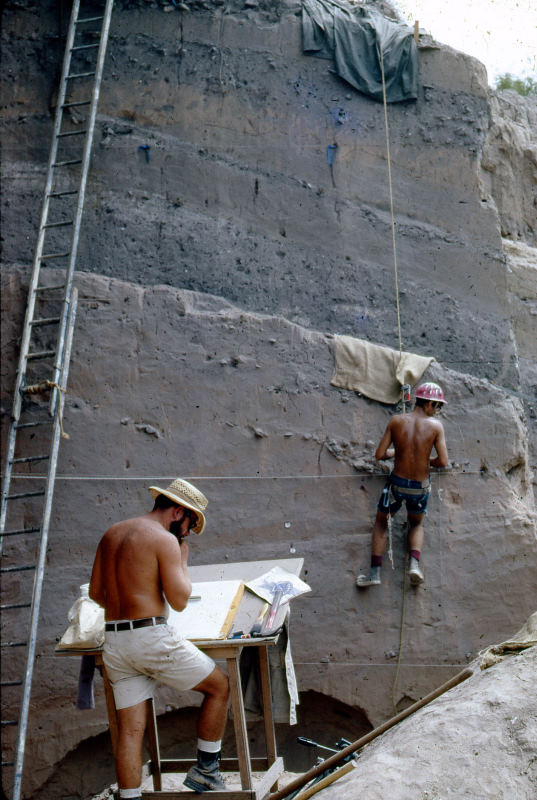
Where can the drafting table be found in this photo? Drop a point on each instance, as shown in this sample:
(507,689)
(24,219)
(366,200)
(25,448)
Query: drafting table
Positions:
(229,650)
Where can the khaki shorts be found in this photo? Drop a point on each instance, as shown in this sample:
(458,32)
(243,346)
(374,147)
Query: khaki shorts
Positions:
(136,660)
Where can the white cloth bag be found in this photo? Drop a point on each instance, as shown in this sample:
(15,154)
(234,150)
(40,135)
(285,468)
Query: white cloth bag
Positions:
(86,623)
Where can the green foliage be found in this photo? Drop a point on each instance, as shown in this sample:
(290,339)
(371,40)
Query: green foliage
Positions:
(523,86)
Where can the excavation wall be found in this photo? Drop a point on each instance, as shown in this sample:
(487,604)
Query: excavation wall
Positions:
(166,381)
(219,253)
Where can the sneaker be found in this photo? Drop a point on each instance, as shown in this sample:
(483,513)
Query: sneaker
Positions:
(414,573)
(362,581)
(204,780)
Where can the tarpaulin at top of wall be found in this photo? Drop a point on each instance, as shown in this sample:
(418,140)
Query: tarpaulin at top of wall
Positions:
(354,36)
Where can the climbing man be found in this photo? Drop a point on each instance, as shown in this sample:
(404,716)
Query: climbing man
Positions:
(140,567)
(411,439)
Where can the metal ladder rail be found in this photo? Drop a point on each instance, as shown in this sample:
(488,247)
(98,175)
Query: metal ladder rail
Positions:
(43,227)
(40,565)
(105,29)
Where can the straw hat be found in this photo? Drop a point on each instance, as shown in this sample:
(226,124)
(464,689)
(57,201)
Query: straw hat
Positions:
(183,493)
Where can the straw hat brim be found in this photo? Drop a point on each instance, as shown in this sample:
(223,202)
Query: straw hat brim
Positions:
(182,501)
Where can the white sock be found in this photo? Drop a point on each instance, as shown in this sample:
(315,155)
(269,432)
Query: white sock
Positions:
(130,794)
(209,747)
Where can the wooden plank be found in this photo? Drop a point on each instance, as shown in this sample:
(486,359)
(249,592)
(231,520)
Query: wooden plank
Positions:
(174,765)
(326,781)
(266,702)
(242,570)
(269,780)
(153,744)
(239,722)
(210,612)
(229,794)
(223,652)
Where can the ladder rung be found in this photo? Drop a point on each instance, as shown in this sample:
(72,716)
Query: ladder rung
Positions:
(45,321)
(71,133)
(34,424)
(88,19)
(79,75)
(83,46)
(76,103)
(21,531)
(13,644)
(63,224)
(63,194)
(26,568)
(27,459)
(24,494)
(68,163)
(15,605)
(55,255)
(6,722)
(11,683)
(49,288)
(40,354)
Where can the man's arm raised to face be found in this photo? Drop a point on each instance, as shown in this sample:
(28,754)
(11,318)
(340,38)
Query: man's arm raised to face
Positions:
(442,458)
(172,561)
(96,583)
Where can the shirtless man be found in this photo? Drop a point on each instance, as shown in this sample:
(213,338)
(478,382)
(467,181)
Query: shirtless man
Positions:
(411,439)
(140,564)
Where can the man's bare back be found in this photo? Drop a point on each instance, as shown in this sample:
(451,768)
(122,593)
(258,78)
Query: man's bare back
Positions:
(411,438)
(139,564)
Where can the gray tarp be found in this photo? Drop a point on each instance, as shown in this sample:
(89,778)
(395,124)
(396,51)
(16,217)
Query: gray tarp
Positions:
(353,36)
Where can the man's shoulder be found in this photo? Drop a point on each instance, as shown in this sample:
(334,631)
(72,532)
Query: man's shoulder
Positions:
(137,525)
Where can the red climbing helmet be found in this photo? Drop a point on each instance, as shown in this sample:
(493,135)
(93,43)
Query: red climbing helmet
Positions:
(430,391)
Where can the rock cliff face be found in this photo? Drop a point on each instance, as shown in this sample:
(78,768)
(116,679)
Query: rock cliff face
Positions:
(186,383)
(210,278)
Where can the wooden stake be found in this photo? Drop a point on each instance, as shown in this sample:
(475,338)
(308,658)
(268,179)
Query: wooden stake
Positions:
(338,773)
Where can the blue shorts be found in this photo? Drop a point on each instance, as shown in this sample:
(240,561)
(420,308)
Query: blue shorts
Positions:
(398,490)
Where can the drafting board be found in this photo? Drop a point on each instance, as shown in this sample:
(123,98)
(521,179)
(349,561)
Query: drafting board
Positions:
(210,611)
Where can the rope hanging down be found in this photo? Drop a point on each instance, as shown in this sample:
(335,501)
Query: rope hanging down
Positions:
(404,388)
(43,386)
(391,201)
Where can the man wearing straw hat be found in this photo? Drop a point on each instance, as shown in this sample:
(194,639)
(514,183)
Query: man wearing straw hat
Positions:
(140,567)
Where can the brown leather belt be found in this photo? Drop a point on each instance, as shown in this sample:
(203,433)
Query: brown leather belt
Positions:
(132,624)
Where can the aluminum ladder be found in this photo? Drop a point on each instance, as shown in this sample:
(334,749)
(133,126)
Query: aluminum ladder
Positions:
(36,420)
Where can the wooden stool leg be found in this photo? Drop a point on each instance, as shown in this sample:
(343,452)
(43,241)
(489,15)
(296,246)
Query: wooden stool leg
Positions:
(239,722)
(266,699)
(111,709)
(153,745)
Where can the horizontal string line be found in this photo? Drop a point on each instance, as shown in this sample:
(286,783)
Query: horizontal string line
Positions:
(221,477)
(359,664)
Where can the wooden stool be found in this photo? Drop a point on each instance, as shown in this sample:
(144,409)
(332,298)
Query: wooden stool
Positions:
(271,765)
